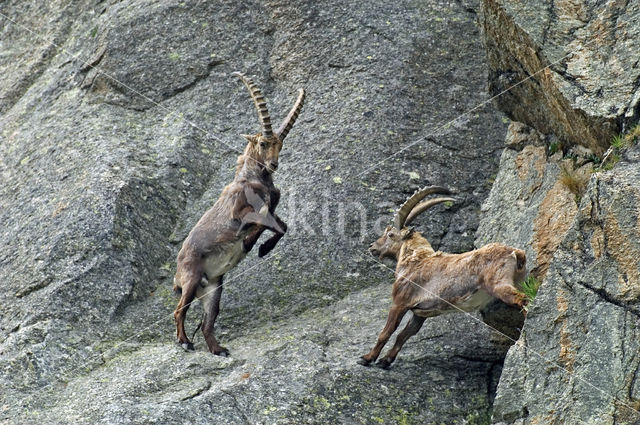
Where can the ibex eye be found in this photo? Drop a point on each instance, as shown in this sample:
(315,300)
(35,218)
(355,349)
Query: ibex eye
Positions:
(263,145)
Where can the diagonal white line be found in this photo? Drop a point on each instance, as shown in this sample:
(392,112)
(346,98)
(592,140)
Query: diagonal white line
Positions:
(213,136)
(481,104)
(87,64)
(528,349)
(76,57)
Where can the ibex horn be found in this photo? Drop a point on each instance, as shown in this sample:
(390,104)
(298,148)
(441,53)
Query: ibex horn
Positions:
(404,211)
(291,118)
(261,104)
(423,206)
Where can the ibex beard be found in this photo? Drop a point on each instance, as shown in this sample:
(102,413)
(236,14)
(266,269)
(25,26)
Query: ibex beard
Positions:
(432,283)
(232,226)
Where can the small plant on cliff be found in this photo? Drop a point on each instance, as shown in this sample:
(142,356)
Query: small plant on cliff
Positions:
(618,145)
(530,289)
(554,147)
(575,181)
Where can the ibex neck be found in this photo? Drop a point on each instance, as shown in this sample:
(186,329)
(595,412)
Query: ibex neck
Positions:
(415,246)
(252,169)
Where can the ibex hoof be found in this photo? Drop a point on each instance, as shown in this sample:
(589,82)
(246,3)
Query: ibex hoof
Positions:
(383,364)
(187,346)
(364,362)
(222,353)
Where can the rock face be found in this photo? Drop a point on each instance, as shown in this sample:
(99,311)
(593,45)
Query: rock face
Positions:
(576,359)
(590,91)
(120,125)
(533,202)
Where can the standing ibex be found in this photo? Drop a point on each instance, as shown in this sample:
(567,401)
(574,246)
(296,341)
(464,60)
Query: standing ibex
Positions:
(229,230)
(430,283)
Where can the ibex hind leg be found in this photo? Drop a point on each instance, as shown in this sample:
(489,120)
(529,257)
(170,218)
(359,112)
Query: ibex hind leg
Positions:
(410,330)
(396,313)
(189,286)
(211,295)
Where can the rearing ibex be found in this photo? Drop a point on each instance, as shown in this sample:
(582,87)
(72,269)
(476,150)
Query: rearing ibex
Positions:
(231,227)
(430,283)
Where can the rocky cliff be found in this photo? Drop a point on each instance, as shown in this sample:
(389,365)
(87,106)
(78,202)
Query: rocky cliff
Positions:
(567,190)
(120,124)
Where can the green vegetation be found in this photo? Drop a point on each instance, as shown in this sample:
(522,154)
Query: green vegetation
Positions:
(479,418)
(530,289)
(610,161)
(577,181)
(619,144)
(403,418)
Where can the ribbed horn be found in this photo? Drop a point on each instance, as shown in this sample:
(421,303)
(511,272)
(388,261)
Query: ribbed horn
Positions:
(292,117)
(423,206)
(402,214)
(261,104)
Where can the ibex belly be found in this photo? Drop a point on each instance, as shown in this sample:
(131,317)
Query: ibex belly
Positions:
(224,259)
(476,301)
(472,302)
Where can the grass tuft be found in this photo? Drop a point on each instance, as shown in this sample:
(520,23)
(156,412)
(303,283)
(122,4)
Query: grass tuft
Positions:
(554,147)
(574,181)
(618,145)
(530,289)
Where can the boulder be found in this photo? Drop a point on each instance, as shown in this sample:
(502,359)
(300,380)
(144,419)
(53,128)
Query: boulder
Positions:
(534,198)
(571,75)
(567,68)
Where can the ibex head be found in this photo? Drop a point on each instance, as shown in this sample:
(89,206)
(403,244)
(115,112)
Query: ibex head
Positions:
(389,244)
(264,148)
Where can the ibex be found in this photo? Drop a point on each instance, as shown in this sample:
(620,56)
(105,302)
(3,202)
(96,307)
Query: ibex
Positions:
(433,283)
(231,227)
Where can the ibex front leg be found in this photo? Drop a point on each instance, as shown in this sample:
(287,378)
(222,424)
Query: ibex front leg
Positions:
(396,314)
(270,243)
(249,242)
(278,226)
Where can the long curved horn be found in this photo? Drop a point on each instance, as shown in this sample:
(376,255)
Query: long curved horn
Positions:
(402,214)
(258,100)
(291,118)
(423,206)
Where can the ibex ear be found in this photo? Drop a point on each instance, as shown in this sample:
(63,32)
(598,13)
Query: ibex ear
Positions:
(250,138)
(520,262)
(406,234)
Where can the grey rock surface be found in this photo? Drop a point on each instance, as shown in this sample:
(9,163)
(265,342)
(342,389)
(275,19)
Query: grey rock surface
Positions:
(301,371)
(119,135)
(590,91)
(576,360)
(531,205)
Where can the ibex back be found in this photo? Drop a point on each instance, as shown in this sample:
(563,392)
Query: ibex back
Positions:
(229,230)
(432,283)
